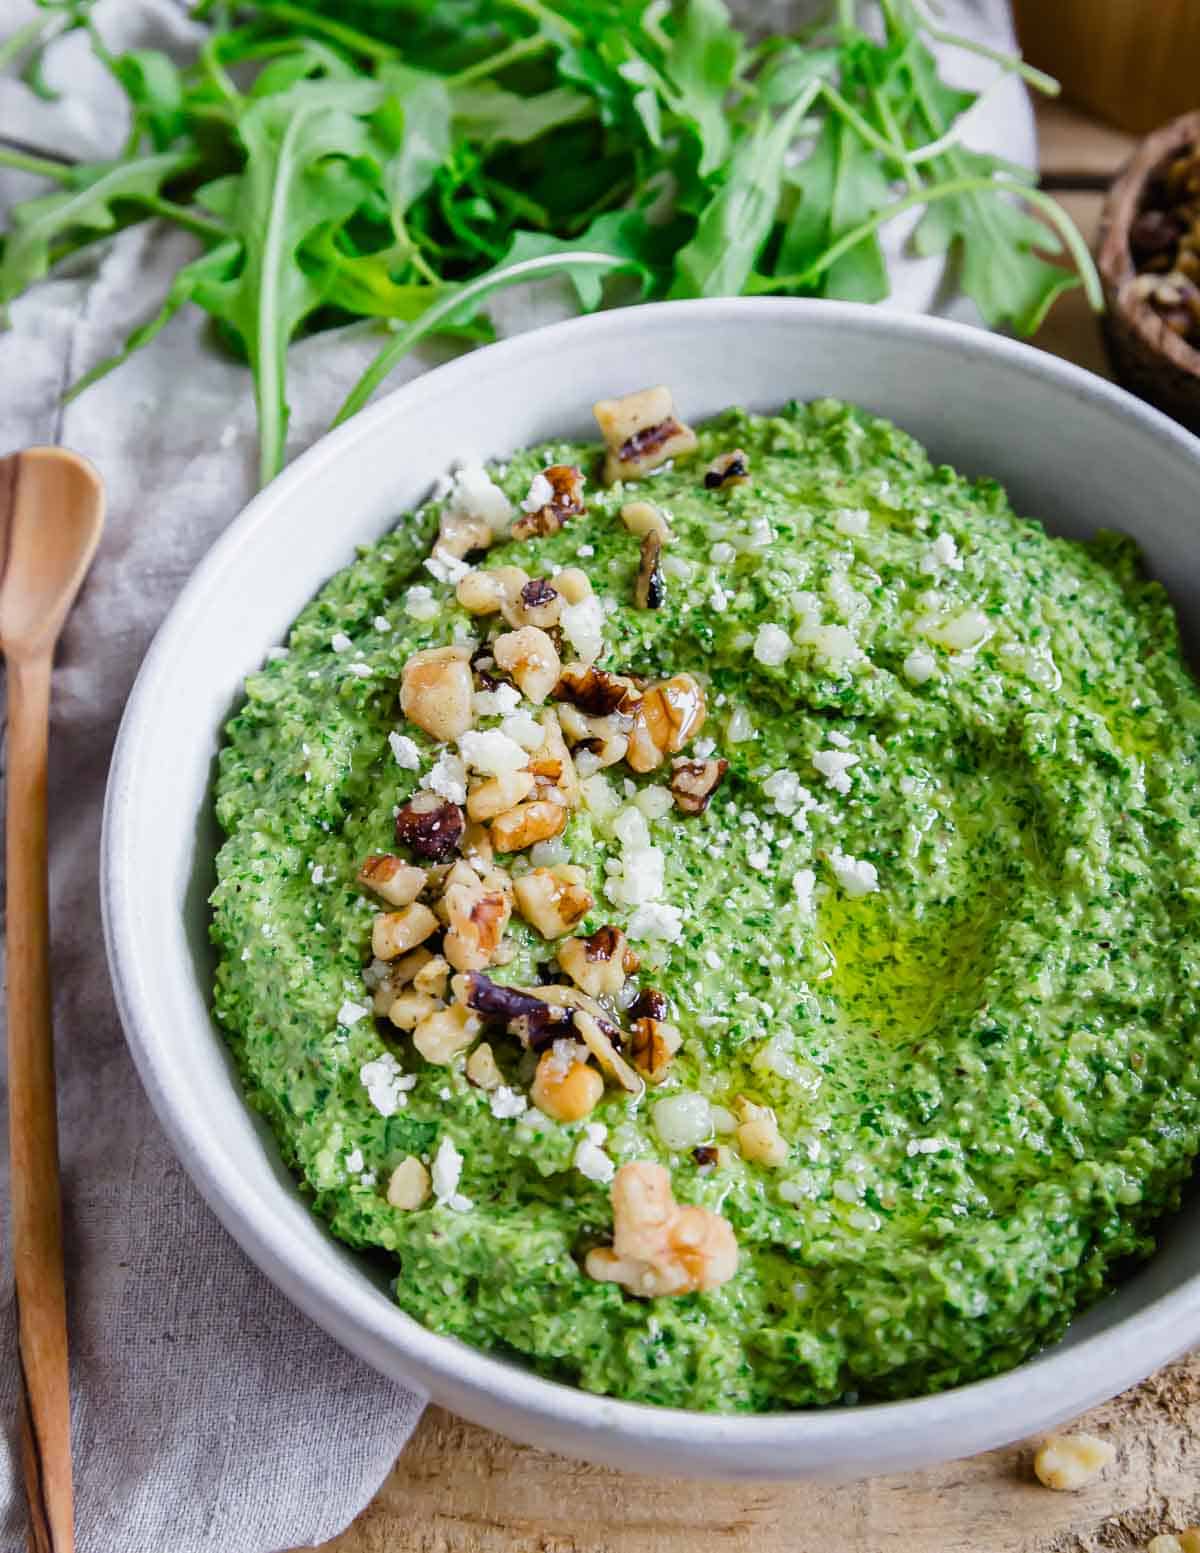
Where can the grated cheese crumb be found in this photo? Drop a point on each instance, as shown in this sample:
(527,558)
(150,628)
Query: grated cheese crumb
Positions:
(408,756)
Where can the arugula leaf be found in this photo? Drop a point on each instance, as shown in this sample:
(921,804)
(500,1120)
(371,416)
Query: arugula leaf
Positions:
(298,179)
(154,87)
(701,66)
(490,115)
(735,225)
(88,207)
(860,189)
(419,107)
(621,233)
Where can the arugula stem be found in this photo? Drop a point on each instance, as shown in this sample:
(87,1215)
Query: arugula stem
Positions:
(911,176)
(972,184)
(547,18)
(453,302)
(265,358)
(40,166)
(1038,79)
(184,216)
(24,38)
(863,129)
(350,37)
(520,48)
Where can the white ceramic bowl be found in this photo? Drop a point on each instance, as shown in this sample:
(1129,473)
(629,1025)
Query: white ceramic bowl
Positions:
(1071,449)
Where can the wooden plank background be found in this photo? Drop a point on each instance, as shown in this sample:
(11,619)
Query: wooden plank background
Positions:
(460,1489)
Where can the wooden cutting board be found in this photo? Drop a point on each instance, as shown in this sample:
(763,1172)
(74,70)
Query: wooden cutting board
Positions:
(460,1489)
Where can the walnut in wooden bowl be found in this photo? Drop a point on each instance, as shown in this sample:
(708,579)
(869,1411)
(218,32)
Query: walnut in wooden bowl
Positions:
(1149,260)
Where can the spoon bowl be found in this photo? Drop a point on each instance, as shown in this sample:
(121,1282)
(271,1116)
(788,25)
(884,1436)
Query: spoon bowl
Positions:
(51,517)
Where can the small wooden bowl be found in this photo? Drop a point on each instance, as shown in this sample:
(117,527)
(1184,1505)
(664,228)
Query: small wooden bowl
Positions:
(1149,358)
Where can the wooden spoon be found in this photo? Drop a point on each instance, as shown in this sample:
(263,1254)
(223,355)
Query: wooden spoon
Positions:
(51,515)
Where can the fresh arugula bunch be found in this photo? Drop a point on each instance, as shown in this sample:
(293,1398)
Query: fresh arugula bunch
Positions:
(405,159)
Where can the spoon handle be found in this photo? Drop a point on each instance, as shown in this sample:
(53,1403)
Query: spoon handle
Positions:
(33,1126)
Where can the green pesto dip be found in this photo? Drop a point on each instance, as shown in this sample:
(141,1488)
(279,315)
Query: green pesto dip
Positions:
(942,915)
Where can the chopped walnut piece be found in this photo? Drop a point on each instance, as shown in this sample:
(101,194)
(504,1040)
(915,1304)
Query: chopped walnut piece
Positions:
(482,1069)
(693,782)
(551,763)
(641,431)
(668,715)
(553,900)
(566,501)
(573,584)
(597,1035)
(480,592)
(652,1045)
(409,1007)
(661,1247)
(727,469)
(477,918)
(596,692)
(431,826)
(650,588)
(459,534)
(531,658)
(436,688)
(597,964)
(497,794)
(399,974)
(441,1035)
(477,843)
(1068,1462)
(409,1184)
(532,1019)
(650,1004)
(540,604)
(643,517)
(526,824)
(432,975)
(393,880)
(396,932)
(758,1133)
(566,1091)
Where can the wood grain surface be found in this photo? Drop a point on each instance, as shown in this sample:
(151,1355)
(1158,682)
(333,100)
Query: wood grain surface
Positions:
(460,1489)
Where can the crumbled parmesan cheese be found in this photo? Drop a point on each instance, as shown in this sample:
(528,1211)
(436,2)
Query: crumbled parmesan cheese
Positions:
(318,874)
(657,920)
(943,553)
(386,1083)
(787,794)
(590,1159)
(524,729)
(359,670)
(446,1174)
(355,1162)
(501,702)
(803,883)
(350,1013)
(492,752)
(852,521)
(541,494)
(739,729)
(834,766)
(855,876)
(583,626)
(474,494)
(919,666)
(507,1103)
(718,599)
(448,778)
(684,1120)
(407,755)
(723,553)
(772,645)
(340,642)
(420,604)
(444,567)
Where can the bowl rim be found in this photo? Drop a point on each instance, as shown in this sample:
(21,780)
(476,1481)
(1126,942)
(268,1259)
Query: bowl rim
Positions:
(1042,1391)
